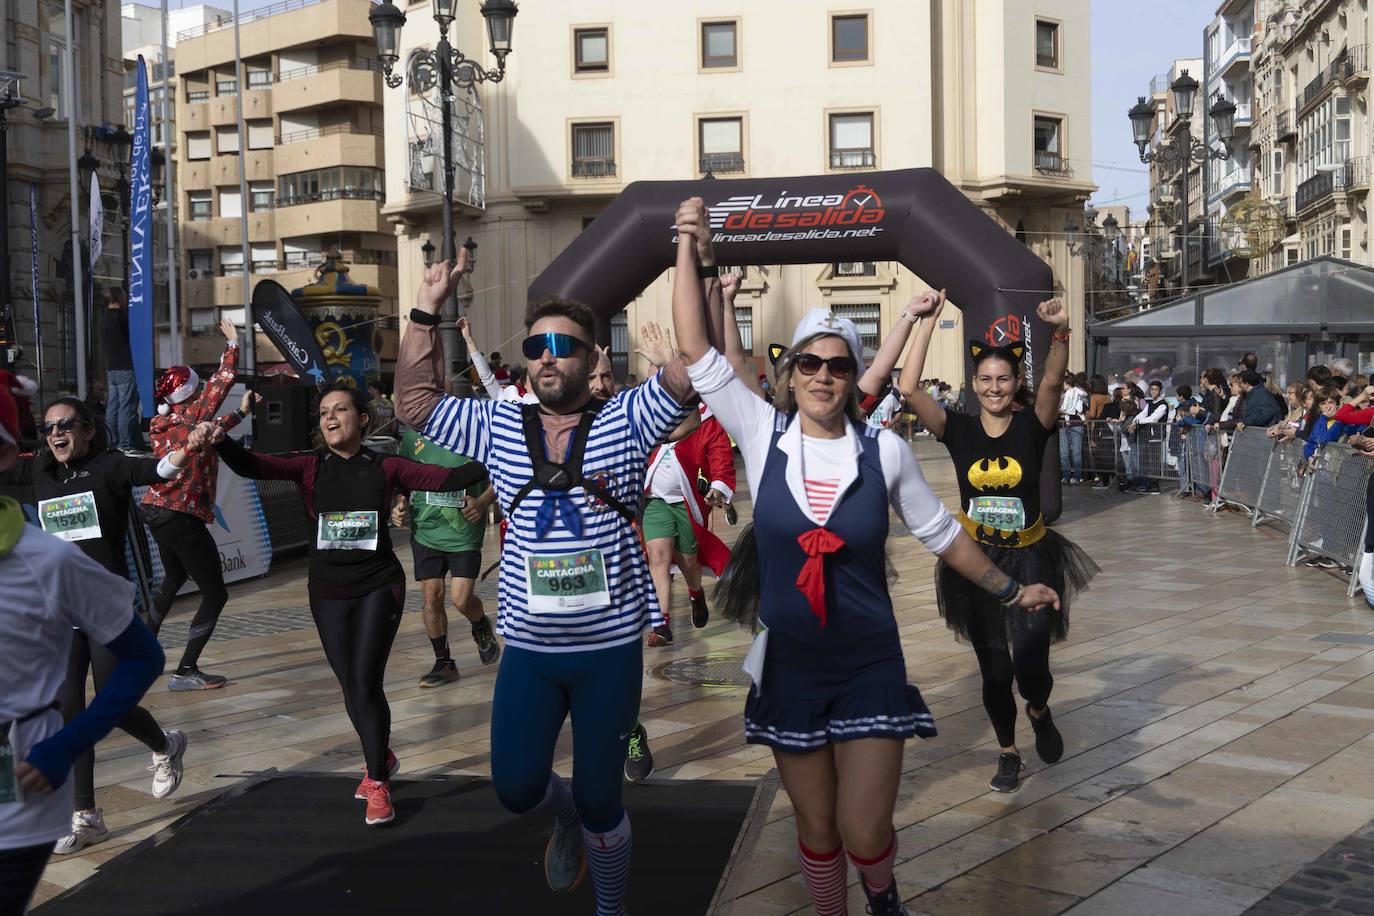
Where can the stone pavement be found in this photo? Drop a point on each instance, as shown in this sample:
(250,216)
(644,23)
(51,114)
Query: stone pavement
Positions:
(1218,708)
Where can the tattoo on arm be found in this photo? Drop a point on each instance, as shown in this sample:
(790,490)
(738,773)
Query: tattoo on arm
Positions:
(994,581)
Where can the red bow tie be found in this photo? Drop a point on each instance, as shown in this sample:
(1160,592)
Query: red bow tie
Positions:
(811,580)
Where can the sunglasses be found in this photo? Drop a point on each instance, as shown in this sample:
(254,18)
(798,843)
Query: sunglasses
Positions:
(64,425)
(559,345)
(839,366)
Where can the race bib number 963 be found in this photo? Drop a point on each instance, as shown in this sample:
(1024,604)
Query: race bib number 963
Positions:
(72,518)
(560,582)
(347,531)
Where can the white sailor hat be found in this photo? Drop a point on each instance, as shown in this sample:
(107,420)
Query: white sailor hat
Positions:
(824,321)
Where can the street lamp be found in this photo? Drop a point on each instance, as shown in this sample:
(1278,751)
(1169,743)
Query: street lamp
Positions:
(427,249)
(455,71)
(471,248)
(1187,149)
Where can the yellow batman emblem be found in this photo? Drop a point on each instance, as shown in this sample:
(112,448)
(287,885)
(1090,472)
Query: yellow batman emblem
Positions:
(995,474)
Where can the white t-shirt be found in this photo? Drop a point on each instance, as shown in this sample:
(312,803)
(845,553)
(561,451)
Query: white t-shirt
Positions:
(823,466)
(47,587)
(665,476)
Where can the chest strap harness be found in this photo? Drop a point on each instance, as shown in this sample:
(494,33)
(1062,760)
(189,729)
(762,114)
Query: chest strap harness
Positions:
(558,479)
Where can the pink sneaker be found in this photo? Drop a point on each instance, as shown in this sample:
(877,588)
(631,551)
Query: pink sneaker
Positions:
(393,766)
(379,810)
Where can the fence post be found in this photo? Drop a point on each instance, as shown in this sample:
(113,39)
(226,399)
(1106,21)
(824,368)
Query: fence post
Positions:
(1256,516)
(1355,567)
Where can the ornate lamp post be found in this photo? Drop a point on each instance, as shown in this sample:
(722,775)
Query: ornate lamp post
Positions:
(1187,148)
(451,70)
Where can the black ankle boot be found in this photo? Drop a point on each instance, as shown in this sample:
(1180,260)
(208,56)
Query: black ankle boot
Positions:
(887,903)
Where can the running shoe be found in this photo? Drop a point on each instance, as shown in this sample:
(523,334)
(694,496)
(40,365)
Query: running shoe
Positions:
(1008,778)
(488,649)
(88,828)
(639,760)
(195,679)
(700,612)
(393,766)
(1049,744)
(443,672)
(166,767)
(888,903)
(565,862)
(379,810)
(661,636)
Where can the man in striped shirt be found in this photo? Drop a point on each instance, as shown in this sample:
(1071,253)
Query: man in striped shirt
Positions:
(575,593)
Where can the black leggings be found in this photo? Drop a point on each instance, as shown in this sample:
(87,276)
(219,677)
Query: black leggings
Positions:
(1027,661)
(20,870)
(89,655)
(357,634)
(187,548)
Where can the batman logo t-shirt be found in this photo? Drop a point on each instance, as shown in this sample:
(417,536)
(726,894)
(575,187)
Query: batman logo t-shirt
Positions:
(999,478)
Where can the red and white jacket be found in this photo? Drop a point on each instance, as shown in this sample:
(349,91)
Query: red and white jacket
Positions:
(704,452)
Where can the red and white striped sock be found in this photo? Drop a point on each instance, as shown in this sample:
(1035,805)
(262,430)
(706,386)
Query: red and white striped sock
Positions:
(826,875)
(877,873)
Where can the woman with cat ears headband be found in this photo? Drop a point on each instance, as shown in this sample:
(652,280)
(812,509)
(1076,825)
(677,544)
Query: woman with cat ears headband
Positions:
(997,457)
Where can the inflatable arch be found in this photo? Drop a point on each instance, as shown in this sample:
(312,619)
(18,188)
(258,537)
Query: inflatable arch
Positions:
(912,216)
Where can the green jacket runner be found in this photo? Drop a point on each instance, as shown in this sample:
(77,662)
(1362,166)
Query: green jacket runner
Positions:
(436,519)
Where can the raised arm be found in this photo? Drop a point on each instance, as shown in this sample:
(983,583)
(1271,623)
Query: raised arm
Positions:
(413,475)
(258,466)
(1053,313)
(734,344)
(926,308)
(217,386)
(420,363)
(876,377)
(131,472)
(479,362)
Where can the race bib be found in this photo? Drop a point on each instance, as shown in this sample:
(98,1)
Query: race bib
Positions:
(72,518)
(9,782)
(562,582)
(443,500)
(347,531)
(1004,512)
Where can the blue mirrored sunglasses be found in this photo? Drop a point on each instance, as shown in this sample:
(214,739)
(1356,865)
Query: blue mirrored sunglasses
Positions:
(559,345)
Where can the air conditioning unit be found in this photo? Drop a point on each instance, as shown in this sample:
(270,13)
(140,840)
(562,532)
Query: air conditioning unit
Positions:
(193,274)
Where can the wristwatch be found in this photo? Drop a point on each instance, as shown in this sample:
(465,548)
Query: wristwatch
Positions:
(708,271)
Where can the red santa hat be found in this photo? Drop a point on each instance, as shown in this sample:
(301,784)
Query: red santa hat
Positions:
(174,386)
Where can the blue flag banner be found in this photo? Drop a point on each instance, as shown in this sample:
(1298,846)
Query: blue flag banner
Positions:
(281,320)
(141,248)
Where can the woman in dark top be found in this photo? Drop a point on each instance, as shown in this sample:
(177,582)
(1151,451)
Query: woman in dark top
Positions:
(997,458)
(356,584)
(83,490)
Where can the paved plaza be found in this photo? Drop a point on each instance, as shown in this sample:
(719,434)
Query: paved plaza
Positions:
(1218,709)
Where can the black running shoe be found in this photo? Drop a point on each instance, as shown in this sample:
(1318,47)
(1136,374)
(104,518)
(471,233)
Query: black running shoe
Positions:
(488,649)
(639,760)
(1049,744)
(661,636)
(700,612)
(1008,778)
(888,903)
(443,672)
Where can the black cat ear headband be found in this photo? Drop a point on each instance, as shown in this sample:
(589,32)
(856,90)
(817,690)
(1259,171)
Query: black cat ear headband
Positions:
(978,351)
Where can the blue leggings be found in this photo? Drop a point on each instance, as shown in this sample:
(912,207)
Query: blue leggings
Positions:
(535,691)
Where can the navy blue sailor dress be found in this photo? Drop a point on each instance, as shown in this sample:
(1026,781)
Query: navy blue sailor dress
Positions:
(840,674)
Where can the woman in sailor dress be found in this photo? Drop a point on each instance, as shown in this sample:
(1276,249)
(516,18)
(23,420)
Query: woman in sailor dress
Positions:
(830,695)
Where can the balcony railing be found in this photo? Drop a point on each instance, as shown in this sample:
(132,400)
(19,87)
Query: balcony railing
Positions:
(1053,163)
(1318,188)
(1357,174)
(312,133)
(722,163)
(262,12)
(297,259)
(1245,114)
(1286,127)
(327,194)
(194,96)
(1313,91)
(852,159)
(1238,51)
(352,63)
(1239,180)
(1353,64)
(593,167)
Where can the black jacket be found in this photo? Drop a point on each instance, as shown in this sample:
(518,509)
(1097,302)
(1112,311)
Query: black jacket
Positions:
(110,478)
(1262,409)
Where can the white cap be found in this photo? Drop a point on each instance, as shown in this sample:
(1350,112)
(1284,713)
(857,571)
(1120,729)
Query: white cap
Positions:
(824,321)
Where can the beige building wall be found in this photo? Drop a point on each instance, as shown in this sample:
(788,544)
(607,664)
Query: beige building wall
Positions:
(952,85)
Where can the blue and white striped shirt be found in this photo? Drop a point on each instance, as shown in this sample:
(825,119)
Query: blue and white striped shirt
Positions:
(617,451)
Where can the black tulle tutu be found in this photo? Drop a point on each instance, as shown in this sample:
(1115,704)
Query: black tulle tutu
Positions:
(980,618)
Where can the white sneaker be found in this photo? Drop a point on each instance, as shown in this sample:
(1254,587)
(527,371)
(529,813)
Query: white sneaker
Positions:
(87,827)
(166,767)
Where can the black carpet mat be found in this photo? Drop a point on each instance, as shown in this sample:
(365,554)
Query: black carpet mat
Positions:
(297,845)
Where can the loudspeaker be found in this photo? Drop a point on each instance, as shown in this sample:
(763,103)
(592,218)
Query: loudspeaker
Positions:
(284,419)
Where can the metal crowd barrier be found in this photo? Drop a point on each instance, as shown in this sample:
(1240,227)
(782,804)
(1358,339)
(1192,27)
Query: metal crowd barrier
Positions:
(1152,451)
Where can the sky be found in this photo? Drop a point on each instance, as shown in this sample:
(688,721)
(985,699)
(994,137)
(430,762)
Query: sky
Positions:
(1130,46)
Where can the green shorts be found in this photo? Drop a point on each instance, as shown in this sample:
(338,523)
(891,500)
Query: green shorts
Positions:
(669,520)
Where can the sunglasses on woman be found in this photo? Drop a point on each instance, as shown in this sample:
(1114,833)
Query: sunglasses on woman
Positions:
(64,425)
(559,345)
(840,366)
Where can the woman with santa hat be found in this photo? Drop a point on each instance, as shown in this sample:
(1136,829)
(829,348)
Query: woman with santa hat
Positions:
(177,511)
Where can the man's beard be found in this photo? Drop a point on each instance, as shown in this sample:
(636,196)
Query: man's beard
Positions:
(559,392)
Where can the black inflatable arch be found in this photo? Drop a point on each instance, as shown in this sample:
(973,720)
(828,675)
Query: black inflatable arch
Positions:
(912,216)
